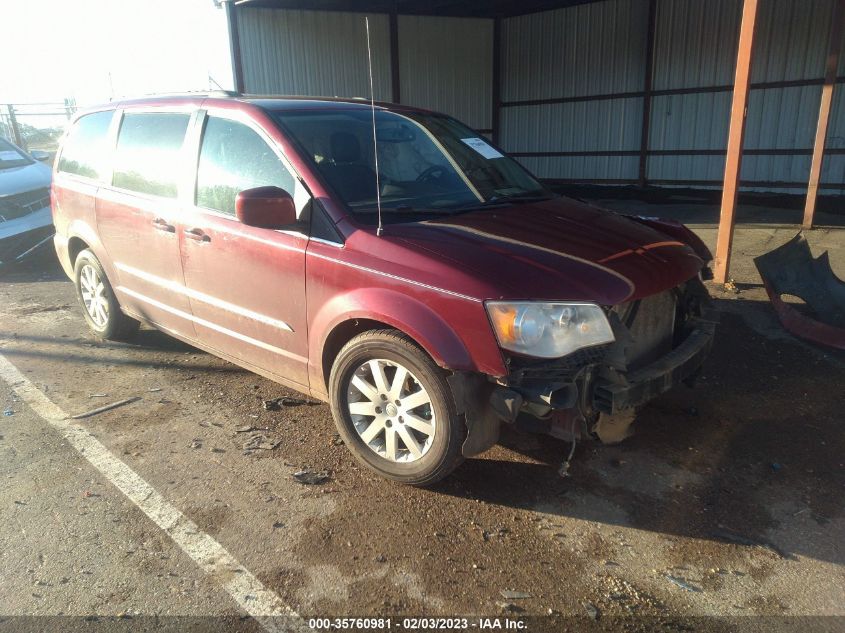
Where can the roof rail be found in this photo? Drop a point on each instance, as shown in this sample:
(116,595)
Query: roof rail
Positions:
(184,93)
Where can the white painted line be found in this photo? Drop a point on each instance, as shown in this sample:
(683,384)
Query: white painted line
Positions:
(252,596)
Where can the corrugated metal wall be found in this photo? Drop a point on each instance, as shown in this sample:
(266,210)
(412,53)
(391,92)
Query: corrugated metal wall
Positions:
(589,49)
(446,64)
(696,47)
(571,56)
(316,53)
(600,49)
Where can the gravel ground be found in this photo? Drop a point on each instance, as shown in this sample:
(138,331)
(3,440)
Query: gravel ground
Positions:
(727,501)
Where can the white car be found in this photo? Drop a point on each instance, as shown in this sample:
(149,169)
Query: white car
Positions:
(25,219)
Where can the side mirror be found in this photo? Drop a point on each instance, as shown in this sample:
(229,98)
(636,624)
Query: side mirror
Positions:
(40,155)
(265,208)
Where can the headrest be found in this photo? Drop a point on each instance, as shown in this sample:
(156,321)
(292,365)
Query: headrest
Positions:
(345,147)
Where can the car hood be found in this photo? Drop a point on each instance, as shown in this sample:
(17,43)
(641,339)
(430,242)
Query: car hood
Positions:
(557,249)
(24,178)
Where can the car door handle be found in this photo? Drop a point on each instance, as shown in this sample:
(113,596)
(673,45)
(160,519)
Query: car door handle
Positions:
(162,225)
(197,235)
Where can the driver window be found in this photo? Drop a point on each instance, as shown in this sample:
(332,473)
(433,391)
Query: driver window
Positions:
(233,158)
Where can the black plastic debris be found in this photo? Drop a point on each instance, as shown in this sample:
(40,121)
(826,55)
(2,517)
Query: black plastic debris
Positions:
(286,401)
(311,478)
(103,409)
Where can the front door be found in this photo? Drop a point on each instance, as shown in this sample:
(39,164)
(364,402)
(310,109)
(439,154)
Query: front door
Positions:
(246,285)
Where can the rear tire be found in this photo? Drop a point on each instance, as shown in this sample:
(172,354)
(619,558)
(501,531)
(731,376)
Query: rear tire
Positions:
(99,305)
(394,409)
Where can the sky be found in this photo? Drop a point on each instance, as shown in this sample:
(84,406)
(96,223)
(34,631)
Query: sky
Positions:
(94,50)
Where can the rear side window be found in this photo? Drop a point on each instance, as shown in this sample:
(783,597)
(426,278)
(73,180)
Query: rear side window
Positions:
(233,158)
(147,158)
(85,149)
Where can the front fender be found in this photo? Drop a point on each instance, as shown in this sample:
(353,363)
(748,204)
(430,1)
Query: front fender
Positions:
(395,309)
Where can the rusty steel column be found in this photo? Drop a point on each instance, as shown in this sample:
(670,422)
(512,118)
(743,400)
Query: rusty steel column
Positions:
(736,134)
(834,45)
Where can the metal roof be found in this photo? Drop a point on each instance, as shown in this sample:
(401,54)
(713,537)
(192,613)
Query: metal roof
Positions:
(448,8)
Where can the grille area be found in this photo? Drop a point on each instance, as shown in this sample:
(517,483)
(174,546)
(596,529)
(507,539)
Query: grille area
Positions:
(651,323)
(22,204)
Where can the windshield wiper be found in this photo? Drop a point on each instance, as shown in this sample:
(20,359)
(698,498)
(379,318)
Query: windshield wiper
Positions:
(404,210)
(501,201)
(523,197)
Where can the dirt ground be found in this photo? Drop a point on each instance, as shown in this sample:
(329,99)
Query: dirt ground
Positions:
(723,512)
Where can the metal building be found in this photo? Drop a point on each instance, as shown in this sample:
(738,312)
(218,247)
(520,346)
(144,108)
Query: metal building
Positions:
(609,91)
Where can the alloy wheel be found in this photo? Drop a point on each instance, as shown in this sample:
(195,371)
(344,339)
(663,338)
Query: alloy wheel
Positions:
(93,296)
(391,410)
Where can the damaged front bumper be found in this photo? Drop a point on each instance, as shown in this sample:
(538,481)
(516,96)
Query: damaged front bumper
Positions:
(661,341)
(791,269)
(604,390)
(638,387)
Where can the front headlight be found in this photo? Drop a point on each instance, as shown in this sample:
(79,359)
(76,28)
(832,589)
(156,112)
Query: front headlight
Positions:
(548,330)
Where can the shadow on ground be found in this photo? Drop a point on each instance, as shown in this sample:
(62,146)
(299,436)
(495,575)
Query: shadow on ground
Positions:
(41,266)
(758,440)
(140,352)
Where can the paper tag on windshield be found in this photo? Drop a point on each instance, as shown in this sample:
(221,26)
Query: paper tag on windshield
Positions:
(482,148)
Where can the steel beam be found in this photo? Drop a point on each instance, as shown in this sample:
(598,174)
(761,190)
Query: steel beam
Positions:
(496,96)
(736,134)
(831,66)
(395,86)
(664,92)
(234,45)
(649,73)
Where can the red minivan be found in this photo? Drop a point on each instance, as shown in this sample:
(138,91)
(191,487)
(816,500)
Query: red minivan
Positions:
(391,262)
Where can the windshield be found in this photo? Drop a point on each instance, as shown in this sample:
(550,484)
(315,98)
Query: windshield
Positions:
(427,163)
(11,156)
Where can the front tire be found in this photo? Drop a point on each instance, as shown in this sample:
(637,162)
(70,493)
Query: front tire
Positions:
(394,409)
(99,305)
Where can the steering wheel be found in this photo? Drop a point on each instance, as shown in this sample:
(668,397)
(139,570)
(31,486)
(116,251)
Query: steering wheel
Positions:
(435,172)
